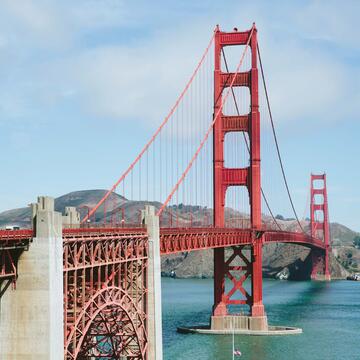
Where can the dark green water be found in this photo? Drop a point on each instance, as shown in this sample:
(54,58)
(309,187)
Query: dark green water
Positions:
(328,313)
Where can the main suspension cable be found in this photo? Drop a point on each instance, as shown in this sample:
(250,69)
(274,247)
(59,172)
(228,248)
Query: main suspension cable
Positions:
(276,142)
(247,144)
(154,136)
(203,141)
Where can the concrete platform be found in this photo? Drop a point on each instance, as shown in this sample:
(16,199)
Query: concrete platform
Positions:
(271,331)
(238,322)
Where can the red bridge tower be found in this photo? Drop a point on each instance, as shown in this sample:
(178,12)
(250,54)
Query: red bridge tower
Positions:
(248,177)
(319,223)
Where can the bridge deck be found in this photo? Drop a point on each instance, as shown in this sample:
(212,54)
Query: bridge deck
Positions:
(172,239)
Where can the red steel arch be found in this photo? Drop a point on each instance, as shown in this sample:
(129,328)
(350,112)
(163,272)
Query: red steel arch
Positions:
(108,326)
(105,293)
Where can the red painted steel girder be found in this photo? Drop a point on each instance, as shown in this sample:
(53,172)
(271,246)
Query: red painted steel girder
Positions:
(188,239)
(12,244)
(92,250)
(15,238)
(7,265)
(101,231)
(294,238)
(174,240)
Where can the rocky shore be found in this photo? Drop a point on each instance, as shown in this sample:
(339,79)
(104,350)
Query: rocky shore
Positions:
(280,261)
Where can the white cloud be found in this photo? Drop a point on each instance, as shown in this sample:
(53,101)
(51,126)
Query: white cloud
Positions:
(306,85)
(143,79)
(128,82)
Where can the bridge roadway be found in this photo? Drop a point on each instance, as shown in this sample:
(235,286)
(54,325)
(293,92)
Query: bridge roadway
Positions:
(172,240)
(88,247)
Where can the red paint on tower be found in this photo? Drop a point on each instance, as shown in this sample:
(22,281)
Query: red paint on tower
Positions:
(249,176)
(320,227)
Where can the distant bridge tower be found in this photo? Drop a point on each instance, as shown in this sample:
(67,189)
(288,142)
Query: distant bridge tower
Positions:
(248,177)
(319,222)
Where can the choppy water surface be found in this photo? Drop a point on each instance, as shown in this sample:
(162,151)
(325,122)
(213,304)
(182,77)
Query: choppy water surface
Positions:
(328,313)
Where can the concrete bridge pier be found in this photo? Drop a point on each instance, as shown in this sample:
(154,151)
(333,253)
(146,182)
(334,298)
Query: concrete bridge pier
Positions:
(31,318)
(154,285)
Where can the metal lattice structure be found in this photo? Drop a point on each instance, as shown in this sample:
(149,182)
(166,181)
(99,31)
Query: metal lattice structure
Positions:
(12,244)
(105,293)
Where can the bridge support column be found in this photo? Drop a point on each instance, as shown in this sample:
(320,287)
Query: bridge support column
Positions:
(31,322)
(320,265)
(258,318)
(315,263)
(219,308)
(154,286)
(243,263)
(327,264)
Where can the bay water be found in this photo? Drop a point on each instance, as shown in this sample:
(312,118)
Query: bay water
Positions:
(328,313)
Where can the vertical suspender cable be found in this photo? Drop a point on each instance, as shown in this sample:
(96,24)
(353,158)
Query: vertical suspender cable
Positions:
(247,144)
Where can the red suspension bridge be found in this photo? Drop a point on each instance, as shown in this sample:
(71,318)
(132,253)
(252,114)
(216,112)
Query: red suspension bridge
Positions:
(201,171)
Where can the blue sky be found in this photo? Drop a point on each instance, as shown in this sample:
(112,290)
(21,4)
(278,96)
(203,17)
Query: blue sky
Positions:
(83,84)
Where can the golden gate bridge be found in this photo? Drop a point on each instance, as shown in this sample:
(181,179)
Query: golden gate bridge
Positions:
(202,175)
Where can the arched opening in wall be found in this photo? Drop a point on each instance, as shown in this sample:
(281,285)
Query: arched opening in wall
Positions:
(237,207)
(236,153)
(318,184)
(237,102)
(319,199)
(233,55)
